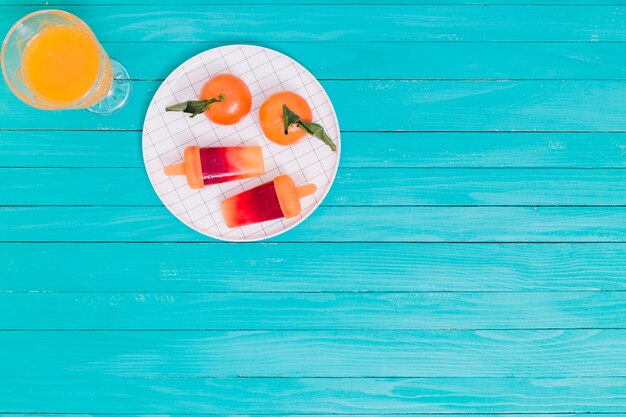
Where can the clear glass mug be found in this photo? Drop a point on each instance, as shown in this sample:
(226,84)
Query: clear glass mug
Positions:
(52,60)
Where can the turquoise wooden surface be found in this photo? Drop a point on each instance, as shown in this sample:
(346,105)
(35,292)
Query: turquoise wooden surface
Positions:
(523,105)
(469,260)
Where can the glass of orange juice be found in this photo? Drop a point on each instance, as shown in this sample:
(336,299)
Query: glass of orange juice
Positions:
(52,60)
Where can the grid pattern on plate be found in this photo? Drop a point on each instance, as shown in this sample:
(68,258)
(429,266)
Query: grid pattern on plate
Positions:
(166,134)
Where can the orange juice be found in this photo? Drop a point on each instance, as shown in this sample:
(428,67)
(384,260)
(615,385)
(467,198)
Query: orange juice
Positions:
(64,63)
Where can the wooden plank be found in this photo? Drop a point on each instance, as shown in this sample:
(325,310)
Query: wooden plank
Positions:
(303,311)
(401,105)
(317,415)
(358,149)
(363,187)
(329,267)
(328,224)
(317,395)
(407,60)
(330,22)
(52,148)
(371,353)
(309,2)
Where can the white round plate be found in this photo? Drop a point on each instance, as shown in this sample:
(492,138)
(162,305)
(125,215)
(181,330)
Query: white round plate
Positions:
(167,134)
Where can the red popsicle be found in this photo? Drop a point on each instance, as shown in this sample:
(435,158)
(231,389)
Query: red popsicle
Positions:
(273,200)
(205,166)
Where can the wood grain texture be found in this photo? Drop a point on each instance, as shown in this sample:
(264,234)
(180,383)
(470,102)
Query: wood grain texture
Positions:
(343,267)
(411,60)
(330,224)
(310,2)
(304,311)
(360,187)
(304,396)
(316,323)
(293,353)
(604,414)
(103,148)
(347,22)
(551,105)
